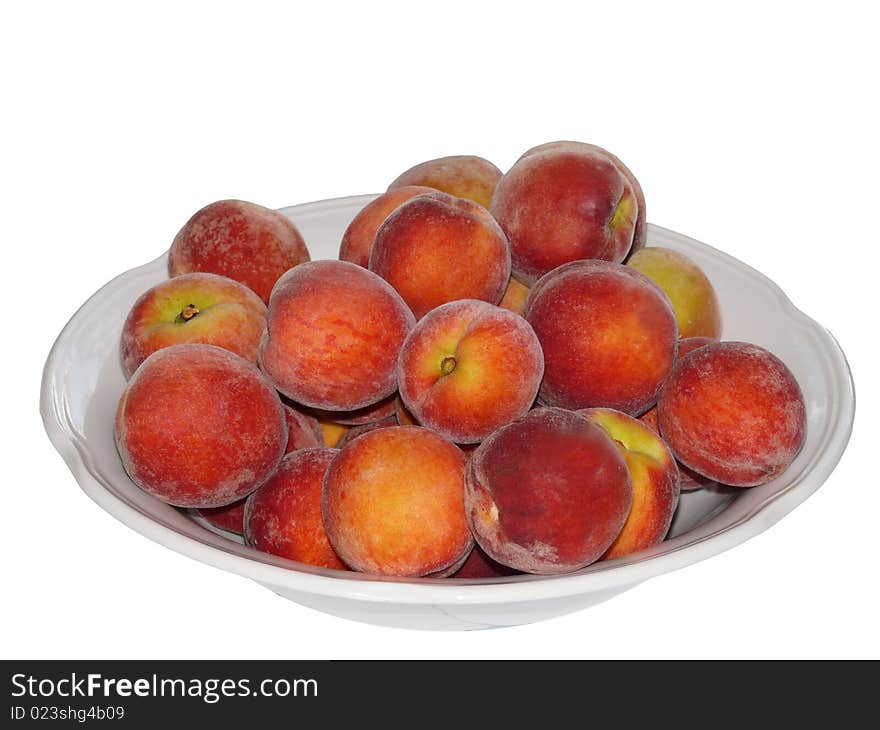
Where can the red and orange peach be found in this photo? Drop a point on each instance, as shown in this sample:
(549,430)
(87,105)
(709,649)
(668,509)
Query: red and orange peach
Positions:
(244,241)
(608,333)
(436,248)
(548,493)
(464,176)
(196,308)
(334,334)
(393,503)
(198,426)
(283,517)
(733,412)
(469,367)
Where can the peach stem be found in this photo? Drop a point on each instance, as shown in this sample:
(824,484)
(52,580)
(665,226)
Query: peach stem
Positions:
(188,312)
(447,365)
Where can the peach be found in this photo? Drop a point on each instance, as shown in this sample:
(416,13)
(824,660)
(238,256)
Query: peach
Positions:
(464,176)
(356,431)
(198,426)
(688,288)
(303,430)
(436,248)
(733,412)
(334,333)
(548,493)
(200,308)
(357,241)
(480,565)
(361,416)
(469,367)
(393,503)
(283,517)
(690,480)
(655,480)
(608,333)
(333,432)
(229,518)
(515,296)
(564,204)
(640,233)
(244,241)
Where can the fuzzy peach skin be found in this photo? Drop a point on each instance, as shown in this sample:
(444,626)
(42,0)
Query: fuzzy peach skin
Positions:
(469,367)
(464,176)
(688,288)
(515,296)
(334,333)
(654,475)
(733,412)
(283,517)
(361,416)
(608,333)
(393,503)
(640,234)
(480,565)
(229,518)
(436,248)
(198,426)
(690,480)
(548,493)
(563,204)
(303,430)
(204,308)
(357,241)
(404,417)
(244,241)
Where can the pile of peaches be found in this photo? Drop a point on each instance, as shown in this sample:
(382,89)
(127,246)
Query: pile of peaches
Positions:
(497,376)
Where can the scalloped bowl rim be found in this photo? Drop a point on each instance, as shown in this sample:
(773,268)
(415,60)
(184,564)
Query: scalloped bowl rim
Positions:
(605,576)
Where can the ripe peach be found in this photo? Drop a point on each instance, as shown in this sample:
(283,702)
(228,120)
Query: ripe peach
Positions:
(733,412)
(394,503)
(480,565)
(357,241)
(640,234)
(436,248)
(548,493)
(204,308)
(655,480)
(688,288)
(198,426)
(690,480)
(464,176)
(334,334)
(608,333)
(361,416)
(229,518)
(244,241)
(515,296)
(303,430)
(283,517)
(469,367)
(563,204)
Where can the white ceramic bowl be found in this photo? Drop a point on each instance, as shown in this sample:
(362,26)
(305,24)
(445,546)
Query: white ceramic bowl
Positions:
(83,379)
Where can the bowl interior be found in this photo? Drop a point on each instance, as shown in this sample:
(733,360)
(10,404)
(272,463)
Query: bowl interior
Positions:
(83,382)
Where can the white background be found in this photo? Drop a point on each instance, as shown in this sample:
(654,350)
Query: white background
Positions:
(752,128)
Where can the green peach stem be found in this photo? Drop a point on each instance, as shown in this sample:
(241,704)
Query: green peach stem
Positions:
(188,312)
(447,365)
